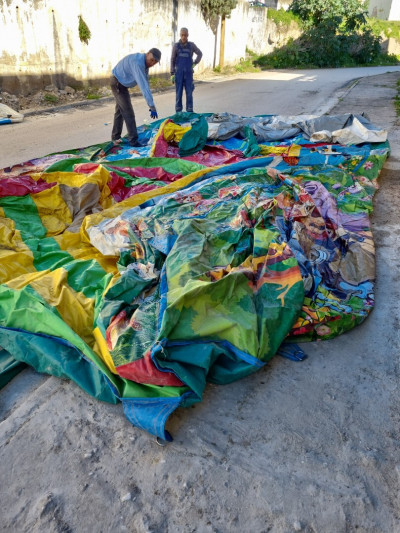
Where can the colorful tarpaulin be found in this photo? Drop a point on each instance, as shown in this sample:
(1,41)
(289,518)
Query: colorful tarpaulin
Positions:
(142,273)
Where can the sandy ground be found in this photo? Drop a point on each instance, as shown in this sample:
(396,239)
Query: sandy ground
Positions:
(310,446)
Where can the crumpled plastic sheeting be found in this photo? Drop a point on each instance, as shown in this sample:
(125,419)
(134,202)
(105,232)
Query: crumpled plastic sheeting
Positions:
(343,129)
(142,277)
(355,132)
(223,126)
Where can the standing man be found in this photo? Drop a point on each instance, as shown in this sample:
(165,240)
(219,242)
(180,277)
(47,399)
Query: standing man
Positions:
(182,69)
(132,70)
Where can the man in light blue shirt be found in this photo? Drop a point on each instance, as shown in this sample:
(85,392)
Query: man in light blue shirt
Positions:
(132,70)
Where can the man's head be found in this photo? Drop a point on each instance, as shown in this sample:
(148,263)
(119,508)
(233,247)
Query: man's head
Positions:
(153,56)
(184,35)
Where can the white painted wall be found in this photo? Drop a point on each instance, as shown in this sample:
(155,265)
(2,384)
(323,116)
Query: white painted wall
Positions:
(379,8)
(384,9)
(395,10)
(40,45)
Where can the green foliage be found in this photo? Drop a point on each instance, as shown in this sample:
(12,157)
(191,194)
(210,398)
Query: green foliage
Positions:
(216,8)
(336,34)
(385,59)
(159,83)
(325,47)
(390,28)
(84,32)
(92,93)
(349,14)
(292,55)
(246,65)
(283,19)
(52,98)
(289,56)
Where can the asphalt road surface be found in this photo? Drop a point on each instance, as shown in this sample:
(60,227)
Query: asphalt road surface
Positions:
(289,92)
(297,447)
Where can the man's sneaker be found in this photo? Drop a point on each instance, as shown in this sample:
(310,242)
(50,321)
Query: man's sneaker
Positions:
(138,143)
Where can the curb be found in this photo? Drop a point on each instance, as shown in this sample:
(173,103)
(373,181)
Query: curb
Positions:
(79,103)
(106,99)
(82,103)
(336,97)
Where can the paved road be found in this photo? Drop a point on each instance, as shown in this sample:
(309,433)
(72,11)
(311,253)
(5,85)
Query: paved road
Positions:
(310,446)
(270,92)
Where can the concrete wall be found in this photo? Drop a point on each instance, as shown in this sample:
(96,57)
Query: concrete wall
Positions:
(395,10)
(40,45)
(384,9)
(39,39)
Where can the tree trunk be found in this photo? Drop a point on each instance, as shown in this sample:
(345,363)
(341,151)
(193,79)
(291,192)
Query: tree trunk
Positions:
(222,44)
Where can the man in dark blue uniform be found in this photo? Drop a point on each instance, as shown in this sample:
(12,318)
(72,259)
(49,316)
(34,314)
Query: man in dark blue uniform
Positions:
(182,65)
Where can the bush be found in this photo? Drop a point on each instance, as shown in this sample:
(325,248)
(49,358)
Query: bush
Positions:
(289,56)
(336,34)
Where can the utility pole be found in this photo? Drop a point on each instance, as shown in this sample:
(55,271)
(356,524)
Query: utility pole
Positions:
(222,44)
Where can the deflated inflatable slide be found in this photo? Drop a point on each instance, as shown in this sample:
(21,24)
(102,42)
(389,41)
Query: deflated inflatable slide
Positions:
(143,273)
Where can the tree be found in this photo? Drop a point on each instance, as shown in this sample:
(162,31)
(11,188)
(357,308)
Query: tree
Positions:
(212,10)
(347,14)
(219,8)
(336,32)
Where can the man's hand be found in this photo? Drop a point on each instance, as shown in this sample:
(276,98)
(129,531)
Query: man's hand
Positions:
(173,78)
(153,112)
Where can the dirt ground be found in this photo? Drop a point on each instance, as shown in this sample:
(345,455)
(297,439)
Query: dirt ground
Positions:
(312,446)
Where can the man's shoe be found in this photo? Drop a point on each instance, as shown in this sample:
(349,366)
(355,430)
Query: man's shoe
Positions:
(138,143)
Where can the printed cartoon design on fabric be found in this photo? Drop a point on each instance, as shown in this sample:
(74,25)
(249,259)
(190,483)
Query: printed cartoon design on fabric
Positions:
(142,275)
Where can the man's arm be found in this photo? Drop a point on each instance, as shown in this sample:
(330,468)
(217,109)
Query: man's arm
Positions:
(142,79)
(173,58)
(198,52)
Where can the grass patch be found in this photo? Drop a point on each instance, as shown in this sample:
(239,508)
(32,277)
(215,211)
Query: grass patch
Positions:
(384,60)
(51,98)
(92,93)
(389,28)
(247,64)
(159,83)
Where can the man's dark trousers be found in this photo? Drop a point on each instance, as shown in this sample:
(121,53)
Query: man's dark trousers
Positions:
(123,112)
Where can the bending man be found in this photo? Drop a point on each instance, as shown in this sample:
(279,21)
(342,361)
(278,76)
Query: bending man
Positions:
(132,70)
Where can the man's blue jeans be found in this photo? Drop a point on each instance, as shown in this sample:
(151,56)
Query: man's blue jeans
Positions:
(184,80)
